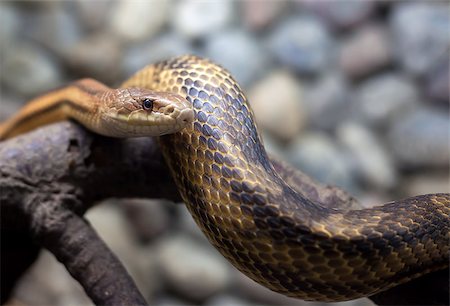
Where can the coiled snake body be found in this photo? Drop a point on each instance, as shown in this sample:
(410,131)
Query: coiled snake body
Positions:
(266,229)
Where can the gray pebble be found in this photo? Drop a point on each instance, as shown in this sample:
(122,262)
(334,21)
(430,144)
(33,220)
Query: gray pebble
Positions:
(277,103)
(320,157)
(56,28)
(373,163)
(438,82)
(29,70)
(148,218)
(240,53)
(193,270)
(425,183)
(10,18)
(198,19)
(226,300)
(48,282)
(341,14)
(88,57)
(303,43)
(366,51)
(382,98)
(327,100)
(258,16)
(421,138)
(421,34)
(139,20)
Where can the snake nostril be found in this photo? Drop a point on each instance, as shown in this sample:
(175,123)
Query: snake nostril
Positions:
(169,110)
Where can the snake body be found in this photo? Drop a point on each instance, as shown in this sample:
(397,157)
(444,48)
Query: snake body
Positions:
(269,231)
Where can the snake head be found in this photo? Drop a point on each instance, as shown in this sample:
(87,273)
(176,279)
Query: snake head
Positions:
(137,112)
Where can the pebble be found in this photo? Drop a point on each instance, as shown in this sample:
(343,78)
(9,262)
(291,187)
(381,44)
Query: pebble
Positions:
(425,183)
(327,101)
(227,300)
(47,282)
(277,104)
(9,17)
(421,34)
(111,225)
(258,17)
(139,20)
(366,51)
(88,58)
(197,19)
(58,29)
(161,47)
(302,43)
(93,15)
(380,99)
(245,57)
(149,219)
(373,162)
(319,156)
(191,269)
(259,294)
(341,14)
(420,139)
(438,82)
(29,70)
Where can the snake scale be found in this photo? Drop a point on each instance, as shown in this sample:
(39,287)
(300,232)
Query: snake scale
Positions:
(268,230)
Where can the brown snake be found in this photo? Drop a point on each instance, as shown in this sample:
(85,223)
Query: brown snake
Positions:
(270,231)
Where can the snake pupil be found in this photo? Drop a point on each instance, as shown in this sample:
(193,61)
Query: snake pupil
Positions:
(147,104)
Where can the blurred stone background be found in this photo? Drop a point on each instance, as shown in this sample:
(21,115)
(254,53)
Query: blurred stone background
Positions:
(354,93)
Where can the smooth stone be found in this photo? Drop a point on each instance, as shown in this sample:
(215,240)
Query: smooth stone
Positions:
(258,294)
(438,82)
(227,300)
(327,101)
(425,183)
(187,225)
(88,57)
(373,163)
(29,70)
(149,219)
(197,19)
(55,27)
(258,16)
(341,14)
(114,229)
(10,21)
(139,20)
(420,139)
(420,34)
(161,47)
(245,57)
(380,99)
(319,156)
(93,14)
(302,43)
(48,282)
(193,270)
(277,103)
(366,51)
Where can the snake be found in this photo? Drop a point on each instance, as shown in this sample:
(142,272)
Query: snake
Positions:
(121,112)
(268,229)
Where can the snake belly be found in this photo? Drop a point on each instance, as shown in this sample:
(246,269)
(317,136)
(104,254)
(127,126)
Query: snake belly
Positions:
(266,229)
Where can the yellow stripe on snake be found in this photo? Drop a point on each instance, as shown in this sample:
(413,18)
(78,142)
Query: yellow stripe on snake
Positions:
(269,231)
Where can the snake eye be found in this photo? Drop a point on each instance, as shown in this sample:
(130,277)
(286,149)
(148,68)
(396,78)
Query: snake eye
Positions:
(147,104)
